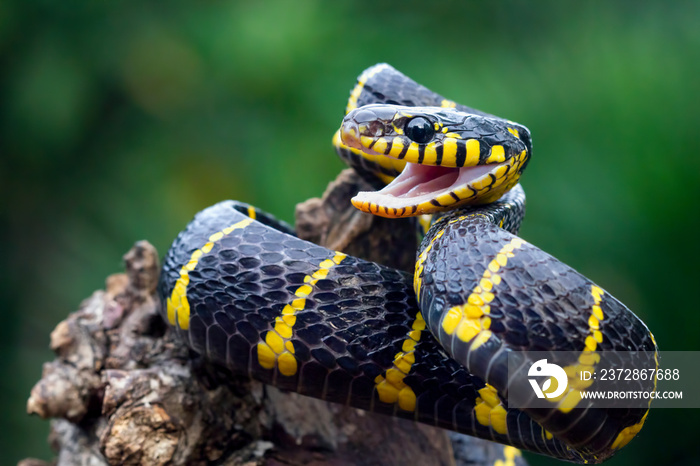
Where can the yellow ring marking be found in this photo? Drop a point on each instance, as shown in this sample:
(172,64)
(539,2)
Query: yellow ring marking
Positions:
(489,410)
(430,154)
(418,275)
(473,153)
(470,322)
(396,146)
(424,221)
(277,349)
(586,360)
(498,155)
(628,433)
(380,144)
(390,386)
(501,171)
(449,152)
(447,103)
(251,212)
(412,153)
(178,305)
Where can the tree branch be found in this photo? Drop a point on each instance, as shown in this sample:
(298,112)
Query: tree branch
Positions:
(123,390)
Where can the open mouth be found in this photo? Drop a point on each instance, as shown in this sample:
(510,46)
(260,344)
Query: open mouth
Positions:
(422,189)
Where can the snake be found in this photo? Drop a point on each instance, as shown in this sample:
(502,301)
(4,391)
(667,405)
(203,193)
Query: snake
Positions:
(242,290)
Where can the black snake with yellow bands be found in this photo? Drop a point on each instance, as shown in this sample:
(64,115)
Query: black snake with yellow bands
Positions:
(243,291)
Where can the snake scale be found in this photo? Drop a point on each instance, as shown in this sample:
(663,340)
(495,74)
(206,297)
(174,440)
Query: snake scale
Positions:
(244,292)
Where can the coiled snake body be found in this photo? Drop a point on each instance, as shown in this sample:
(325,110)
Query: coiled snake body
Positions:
(243,291)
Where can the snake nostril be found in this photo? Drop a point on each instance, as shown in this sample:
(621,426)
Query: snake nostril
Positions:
(348,131)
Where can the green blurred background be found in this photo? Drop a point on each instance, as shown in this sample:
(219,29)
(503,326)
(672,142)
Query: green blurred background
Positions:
(120,120)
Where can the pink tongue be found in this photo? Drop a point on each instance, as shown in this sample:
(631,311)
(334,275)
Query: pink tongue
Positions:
(417,180)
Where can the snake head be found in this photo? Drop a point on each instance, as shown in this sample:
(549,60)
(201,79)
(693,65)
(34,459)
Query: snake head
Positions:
(452,158)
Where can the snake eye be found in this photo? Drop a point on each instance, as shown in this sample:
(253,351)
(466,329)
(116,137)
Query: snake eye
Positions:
(420,130)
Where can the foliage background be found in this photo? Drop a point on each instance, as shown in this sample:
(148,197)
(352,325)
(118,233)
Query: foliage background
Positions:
(120,120)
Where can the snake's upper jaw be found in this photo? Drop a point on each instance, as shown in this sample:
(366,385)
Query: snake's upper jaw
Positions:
(425,189)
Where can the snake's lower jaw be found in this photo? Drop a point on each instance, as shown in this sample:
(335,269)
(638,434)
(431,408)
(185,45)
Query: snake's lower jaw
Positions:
(425,189)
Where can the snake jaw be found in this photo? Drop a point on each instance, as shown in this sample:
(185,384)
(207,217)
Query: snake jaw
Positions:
(425,189)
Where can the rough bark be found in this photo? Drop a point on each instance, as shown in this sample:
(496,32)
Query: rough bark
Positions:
(123,390)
